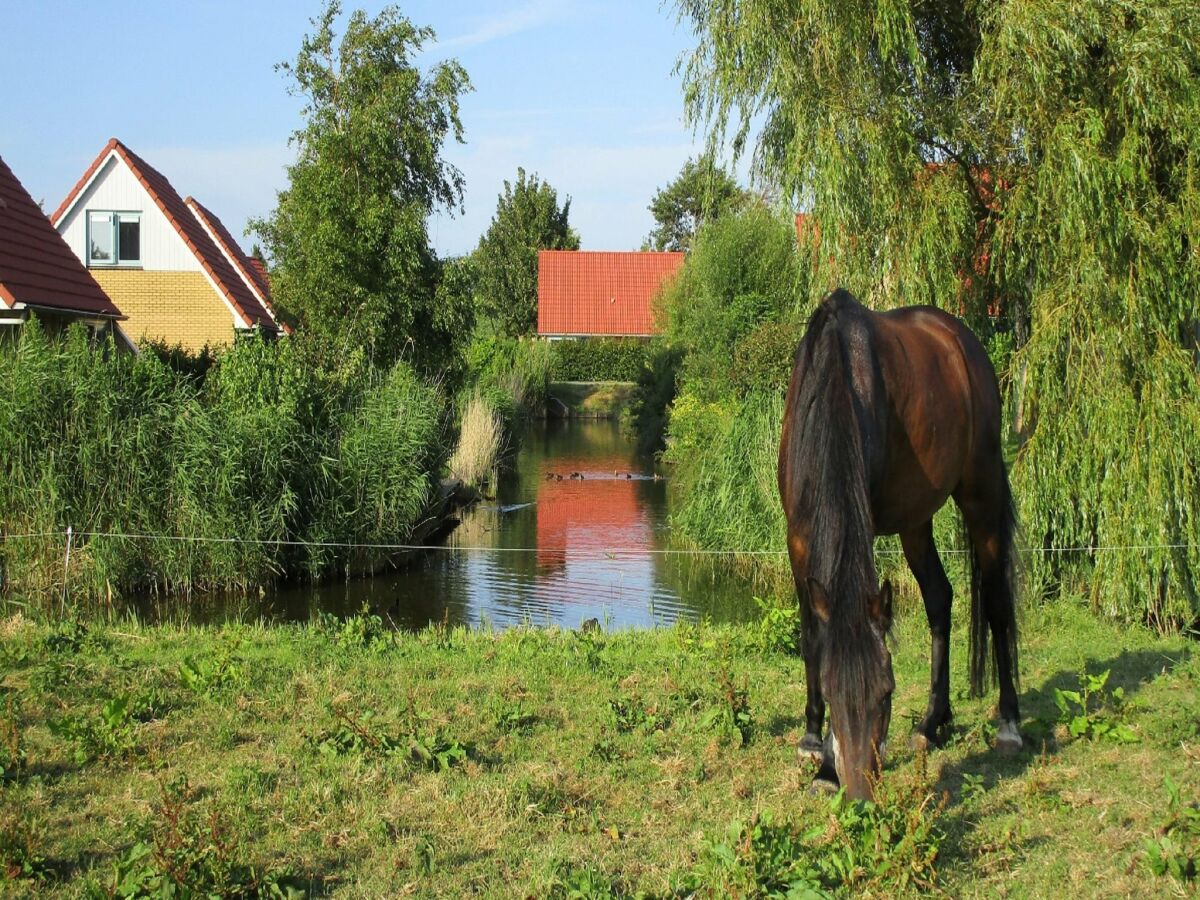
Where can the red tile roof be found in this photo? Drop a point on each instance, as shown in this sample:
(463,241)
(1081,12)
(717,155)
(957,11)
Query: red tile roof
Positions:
(601,293)
(261,276)
(234,255)
(189,228)
(37,267)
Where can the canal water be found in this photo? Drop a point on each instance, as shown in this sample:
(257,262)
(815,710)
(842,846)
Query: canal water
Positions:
(549,549)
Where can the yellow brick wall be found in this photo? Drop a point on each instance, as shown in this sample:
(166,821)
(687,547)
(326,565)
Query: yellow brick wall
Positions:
(175,307)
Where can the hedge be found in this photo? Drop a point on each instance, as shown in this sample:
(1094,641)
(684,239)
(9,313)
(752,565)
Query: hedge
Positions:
(598,359)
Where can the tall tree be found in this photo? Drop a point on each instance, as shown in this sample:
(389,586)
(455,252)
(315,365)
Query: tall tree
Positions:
(700,192)
(1033,159)
(528,219)
(348,238)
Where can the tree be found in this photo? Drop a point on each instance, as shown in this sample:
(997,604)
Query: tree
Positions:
(700,192)
(528,219)
(1034,167)
(348,238)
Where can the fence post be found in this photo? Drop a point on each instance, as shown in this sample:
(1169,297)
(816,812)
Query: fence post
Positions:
(66,569)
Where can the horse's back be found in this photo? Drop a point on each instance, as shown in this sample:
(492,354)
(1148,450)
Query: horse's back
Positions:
(944,412)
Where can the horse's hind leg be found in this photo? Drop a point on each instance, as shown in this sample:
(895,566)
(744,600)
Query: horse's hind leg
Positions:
(990,526)
(921,554)
(814,706)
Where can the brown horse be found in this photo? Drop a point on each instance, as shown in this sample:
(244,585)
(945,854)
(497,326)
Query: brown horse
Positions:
(887,416)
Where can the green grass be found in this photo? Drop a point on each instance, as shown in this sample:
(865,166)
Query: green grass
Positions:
(343,759)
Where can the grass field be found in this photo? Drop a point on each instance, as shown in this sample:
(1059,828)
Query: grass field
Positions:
(340,758)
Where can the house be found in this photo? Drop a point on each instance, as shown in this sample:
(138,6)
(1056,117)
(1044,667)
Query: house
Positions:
(39,273)
(601,294)
(167,262)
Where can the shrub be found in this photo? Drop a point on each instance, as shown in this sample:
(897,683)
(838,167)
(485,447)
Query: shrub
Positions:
(654,392)
(762,360)
(741,272)
(597,359)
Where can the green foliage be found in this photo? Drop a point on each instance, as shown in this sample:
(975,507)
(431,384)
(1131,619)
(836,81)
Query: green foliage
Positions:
(572,881)
(779,627)
(348,237)
(13,752)
(701,192)
(1093,711)
(725,455)
(597,359)
(731,714)
(106,735)
(214,675)
(512,374)
(741,273)
(421,747)
(762,360)
(20,847)
(866,848)
(1032,163)
(527,219)
(175,486)
(1175,850)
(654,391)
(188,852)
(631,713)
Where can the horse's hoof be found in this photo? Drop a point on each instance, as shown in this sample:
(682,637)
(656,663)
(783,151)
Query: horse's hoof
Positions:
(1008,738)
(823,786)
(810,747)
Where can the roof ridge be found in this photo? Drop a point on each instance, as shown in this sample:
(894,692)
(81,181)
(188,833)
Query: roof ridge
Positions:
(166,198)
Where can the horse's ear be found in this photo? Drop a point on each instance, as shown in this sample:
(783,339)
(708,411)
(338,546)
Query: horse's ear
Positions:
(881,607)
(818,599)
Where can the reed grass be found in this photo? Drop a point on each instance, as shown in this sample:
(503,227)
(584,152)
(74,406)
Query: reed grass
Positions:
(480,443)
(176,486)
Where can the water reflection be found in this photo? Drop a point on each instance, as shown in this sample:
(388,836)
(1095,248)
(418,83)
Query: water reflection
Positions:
(551,549)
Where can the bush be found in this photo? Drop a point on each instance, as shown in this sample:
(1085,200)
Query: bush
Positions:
(741,273)
(597,359)
(646,415)
(762,360)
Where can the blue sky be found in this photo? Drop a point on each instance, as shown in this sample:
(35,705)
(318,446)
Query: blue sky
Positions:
(579,91)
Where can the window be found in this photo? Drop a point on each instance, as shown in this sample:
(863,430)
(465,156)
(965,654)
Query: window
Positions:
(114,238)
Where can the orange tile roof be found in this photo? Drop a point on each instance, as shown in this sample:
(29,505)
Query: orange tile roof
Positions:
(234,255)
(37,267)
(189,228)
(601,293)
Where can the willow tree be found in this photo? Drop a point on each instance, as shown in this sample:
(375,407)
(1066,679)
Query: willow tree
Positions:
(1035,167)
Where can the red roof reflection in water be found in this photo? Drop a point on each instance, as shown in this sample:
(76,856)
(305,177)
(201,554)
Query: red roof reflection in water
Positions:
(597,513)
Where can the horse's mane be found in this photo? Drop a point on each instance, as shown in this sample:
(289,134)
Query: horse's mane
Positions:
(829,487)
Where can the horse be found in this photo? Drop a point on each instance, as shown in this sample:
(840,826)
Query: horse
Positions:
(887,416)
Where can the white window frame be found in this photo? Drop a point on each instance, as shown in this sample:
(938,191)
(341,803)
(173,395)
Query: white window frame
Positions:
(116,216)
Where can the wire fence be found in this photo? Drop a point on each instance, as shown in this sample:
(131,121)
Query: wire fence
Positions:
(70,536)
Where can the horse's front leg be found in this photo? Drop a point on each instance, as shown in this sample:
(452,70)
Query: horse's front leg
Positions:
(921,554)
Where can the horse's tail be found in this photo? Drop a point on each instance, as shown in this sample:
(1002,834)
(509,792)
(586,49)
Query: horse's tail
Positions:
(994,597)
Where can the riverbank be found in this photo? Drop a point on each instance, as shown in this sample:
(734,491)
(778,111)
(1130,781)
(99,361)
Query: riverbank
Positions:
(588,399)
(344,759)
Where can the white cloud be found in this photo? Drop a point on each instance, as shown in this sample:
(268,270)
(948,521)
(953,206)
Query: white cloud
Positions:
(505,24)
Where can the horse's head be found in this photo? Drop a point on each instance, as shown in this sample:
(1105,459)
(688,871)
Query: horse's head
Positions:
(857,682)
